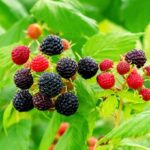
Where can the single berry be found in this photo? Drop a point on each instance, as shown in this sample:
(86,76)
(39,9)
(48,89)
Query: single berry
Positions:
(42,102)
(66,44)
(23,79)
(92,141)
(20,55)
(63,127)
(136,57)
(34,31)
(123,67)
(87,67)
(23,101)
(52,45)
(145,94)
(66,68)
(134,80)
(27,65)
(91,148)
(67,104)
(147,70)
(106,65)
(106,80)
(50,84)
(39,63)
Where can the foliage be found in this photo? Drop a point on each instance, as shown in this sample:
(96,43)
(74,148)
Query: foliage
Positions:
(81,23)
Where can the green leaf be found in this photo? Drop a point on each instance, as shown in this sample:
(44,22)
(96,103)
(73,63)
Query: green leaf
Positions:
(110,45)
(109,106)
(133,11)
(63,18)
(146,42)
(16,33)
(21,132)
(134,127)
(50,132)
(130,97)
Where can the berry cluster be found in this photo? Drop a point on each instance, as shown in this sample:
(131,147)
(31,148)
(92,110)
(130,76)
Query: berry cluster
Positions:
(128,68)
(41,86)
(91,143)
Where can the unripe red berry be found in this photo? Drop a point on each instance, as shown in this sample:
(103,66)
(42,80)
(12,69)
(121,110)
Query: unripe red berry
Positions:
(66,44)
(63,127)
(147,70)
(34,31)
(91,148)
(106,65)
(123,67)
(39,63)
(106,80)
(51,147)
(92,141)
(145,92)
(134,80)
(20,54)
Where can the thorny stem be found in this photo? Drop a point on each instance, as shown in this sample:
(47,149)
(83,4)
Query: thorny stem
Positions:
(118,114)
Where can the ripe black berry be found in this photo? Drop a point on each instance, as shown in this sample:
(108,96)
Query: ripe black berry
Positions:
(23,79)
(87,67)
(66,67)
(42,102)
(67,104)
(23,101)
(50,84)
(136,57)
(52,45)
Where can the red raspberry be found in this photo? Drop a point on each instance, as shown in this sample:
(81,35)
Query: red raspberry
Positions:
(134,80)
(123,67)
(106,65)
(106,80)
(20,54)
(145,94)
(66,44)
(91,148)
(63,128)
(147,70)
(39,63)
(92,141)
(34,31)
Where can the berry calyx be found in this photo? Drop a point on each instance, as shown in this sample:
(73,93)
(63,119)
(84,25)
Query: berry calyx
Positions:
(145,92)
(134,80)
(39,63)
(87,67)
(106,80)
(147,70)
(34,31)
(23,79)
(66,67)
(67,104)
(66,44)
(106,65)
(20,55)
(52,45)
(136,57)
(123,67)
(63,127)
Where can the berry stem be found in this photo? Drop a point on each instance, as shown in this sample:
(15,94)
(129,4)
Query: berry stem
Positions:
(118,114)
